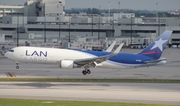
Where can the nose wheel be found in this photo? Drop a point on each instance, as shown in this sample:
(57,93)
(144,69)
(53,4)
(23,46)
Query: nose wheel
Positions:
(17,67)
(87,71)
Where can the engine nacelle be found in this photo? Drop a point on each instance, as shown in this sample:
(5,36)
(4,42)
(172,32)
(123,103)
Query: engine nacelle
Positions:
(66,64)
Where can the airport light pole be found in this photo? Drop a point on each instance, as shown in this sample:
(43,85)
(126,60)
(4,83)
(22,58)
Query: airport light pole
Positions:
(109,3)
(119,3)
(44,28)
(17,38)
(23,20)
(59,25)
(92,25)
(98,29)
(69,39)
(99,24)
(158,23)
(131,29)
(113,23)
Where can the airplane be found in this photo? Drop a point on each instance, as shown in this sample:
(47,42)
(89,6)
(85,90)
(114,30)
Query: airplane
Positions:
(68,59)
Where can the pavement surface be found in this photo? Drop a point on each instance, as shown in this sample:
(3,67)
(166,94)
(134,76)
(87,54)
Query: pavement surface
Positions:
(109,92)
(105,92)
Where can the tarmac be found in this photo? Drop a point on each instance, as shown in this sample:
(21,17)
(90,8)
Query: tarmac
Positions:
(150,93)
(102,92)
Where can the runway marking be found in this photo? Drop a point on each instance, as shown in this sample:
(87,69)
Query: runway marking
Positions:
(9,74)
(48,102)
(53,77)
(139,74)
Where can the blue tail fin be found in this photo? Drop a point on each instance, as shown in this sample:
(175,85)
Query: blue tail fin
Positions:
(156,48)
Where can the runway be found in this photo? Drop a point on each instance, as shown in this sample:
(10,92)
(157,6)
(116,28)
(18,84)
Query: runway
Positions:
(106,92)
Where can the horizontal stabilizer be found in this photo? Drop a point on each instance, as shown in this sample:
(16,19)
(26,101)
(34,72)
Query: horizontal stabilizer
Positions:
(155,61)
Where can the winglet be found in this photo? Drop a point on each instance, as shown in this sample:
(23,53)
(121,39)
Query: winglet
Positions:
(111,47)
(118,49)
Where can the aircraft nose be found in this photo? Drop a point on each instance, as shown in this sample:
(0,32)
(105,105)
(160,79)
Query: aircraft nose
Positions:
(7,54)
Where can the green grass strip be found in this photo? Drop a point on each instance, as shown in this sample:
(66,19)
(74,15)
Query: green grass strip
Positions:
(89,80)
(21,102)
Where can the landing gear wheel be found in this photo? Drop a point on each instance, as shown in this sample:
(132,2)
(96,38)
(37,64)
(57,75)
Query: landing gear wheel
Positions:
(84,72)
(17,67)
(88,71)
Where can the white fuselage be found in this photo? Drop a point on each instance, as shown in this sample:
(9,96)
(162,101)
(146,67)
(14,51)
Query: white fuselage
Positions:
(56,56)
(52,56)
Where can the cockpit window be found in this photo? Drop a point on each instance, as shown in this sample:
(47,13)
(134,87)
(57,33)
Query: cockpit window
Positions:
(11,50)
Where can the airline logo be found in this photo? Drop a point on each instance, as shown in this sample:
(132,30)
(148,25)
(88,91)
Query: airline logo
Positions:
(36,53)
(38,56)
(159,44)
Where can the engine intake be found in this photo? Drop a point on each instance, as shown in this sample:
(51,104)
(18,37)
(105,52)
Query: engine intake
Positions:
(66,64)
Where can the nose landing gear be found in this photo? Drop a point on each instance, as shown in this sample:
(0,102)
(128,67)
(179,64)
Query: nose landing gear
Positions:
(17,67)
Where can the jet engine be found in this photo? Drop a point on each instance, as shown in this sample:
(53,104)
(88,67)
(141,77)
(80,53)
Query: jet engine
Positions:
(66,64)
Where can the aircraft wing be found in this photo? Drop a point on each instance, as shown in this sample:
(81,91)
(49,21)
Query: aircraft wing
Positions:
(97,60)
(89,61)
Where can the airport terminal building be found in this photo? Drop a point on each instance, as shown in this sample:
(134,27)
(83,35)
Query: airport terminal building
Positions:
(45,21)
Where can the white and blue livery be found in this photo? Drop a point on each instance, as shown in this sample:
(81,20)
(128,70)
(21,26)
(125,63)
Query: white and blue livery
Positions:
(67,59)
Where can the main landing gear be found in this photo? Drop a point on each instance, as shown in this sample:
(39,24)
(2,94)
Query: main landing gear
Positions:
(86,71)
(17,67)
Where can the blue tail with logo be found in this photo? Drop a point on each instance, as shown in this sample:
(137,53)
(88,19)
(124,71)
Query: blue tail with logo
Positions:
(156,48)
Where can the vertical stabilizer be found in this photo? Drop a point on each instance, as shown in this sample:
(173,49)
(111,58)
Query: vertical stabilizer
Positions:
(156,48)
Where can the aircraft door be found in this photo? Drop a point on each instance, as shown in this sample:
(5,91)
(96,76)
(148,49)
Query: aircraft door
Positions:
(22,53)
